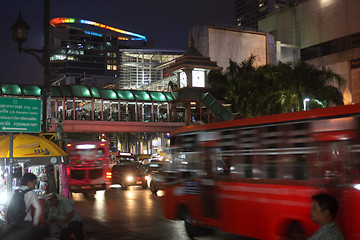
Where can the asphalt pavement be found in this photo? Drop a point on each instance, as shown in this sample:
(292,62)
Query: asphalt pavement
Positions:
(131,214)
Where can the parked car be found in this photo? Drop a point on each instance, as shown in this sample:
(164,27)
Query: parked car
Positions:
(128,173)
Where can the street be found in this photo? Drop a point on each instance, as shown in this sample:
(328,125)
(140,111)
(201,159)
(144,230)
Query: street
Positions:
(132,214)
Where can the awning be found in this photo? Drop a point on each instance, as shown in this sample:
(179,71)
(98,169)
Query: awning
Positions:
(31,150)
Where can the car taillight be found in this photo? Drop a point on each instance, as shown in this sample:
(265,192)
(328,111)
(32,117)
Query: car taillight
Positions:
(108,175)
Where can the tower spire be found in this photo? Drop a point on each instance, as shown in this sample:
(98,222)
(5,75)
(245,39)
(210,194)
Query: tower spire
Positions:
(191,38)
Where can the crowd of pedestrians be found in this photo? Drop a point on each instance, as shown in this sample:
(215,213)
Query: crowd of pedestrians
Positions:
(61,219)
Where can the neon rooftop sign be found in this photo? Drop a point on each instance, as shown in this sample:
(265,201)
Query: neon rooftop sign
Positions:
(62,21)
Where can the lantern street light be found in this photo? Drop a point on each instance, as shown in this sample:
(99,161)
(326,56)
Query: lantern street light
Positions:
(20,28)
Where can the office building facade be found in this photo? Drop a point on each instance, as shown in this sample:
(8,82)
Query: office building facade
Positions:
(249,12)
(327,33)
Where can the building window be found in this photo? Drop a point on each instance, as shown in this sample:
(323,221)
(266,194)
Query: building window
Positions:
(111,67)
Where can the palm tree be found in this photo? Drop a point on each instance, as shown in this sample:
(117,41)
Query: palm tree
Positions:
(279,88)
(217,82)
(302,80)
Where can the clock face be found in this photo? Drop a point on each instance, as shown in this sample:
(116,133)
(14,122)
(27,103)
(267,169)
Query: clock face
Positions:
(198,79)
(183,80)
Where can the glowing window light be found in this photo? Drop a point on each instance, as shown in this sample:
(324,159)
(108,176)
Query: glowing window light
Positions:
(58,57)
(93,33)
(61,20)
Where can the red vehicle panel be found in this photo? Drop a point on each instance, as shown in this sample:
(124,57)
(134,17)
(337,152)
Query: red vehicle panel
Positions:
(89,168)
(255,177)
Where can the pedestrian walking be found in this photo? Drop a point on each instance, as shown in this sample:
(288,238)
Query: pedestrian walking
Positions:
(63,213)
(22,202)
(21,220)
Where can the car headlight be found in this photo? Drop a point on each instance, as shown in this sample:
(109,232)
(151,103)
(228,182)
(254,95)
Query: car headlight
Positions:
(130,178)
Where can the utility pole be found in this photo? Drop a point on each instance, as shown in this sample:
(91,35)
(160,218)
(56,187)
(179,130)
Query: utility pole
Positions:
(20,28)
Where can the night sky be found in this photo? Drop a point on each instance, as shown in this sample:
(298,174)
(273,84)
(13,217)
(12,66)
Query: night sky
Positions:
(167,22)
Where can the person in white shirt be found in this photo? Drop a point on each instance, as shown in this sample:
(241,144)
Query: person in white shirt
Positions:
(64,214)
(29,181)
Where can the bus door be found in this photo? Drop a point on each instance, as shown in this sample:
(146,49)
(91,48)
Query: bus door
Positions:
(208,184)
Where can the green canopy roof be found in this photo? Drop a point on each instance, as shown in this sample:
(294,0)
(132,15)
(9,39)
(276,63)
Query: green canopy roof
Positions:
(142,96)
(125,95)
(31,90)
(95,92)
(83,91)
(56,91)
(11,89)
(66,90)
(171,96)
(158,96)
(108,94)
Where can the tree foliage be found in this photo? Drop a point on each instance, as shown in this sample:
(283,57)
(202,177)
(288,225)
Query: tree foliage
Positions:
(272,89)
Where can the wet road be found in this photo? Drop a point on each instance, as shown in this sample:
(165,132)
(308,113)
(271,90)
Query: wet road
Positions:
(132,214)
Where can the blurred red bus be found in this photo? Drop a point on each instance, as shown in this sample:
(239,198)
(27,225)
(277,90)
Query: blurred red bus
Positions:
(255,177)
(89,168)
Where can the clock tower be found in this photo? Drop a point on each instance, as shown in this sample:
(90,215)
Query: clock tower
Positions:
(191,71)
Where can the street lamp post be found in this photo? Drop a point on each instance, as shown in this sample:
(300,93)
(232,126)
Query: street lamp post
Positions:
(304,102)
(20,28)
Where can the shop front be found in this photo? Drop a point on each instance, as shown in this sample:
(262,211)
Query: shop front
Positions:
(36,155)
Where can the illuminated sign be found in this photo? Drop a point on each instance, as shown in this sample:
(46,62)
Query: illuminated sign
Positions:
(86,146)
(61,21)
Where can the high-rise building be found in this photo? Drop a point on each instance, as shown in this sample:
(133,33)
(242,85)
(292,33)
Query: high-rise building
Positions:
(249,12)
(103,56)
(77,56)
